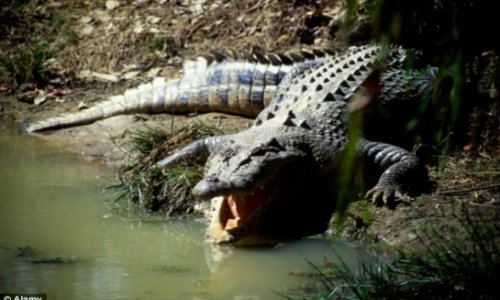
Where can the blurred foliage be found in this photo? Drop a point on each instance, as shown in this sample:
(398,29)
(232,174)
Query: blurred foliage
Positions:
(454,36)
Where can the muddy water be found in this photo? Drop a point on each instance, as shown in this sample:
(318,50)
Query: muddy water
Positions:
(52,202)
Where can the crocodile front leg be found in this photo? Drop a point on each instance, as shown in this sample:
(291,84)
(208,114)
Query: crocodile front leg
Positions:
(403,173)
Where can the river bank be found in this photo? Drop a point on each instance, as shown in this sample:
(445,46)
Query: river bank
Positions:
(105,49)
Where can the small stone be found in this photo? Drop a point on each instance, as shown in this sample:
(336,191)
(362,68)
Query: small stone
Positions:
(106,77)
(87,29)
(130,67)
(82,105)
(153,30)
(152,19)
(130,75)
(141,3)
(112,4)
(85,74)
(86,19)
(138,27)
(40,99)
(154,72)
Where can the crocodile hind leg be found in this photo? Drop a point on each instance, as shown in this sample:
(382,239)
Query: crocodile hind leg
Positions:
(403,175)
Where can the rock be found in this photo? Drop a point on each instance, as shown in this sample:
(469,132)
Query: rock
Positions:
(82,105)
(112,4)
(41,98)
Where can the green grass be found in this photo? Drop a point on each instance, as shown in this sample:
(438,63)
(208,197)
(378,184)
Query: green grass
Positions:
(32,38)
(59,17)
(145,189)
(28,63)
(26,251)
(168,268)
(160,44)
(144,142)
(463,266)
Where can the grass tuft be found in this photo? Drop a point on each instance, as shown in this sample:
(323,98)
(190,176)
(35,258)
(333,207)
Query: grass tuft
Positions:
(461,267)
(27,64)
(147,189)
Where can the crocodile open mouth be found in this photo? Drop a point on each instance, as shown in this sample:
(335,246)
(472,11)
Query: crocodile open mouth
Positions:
(236,217)
(285,207)
(236,211)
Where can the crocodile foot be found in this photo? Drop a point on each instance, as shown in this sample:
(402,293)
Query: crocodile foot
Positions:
(382,192)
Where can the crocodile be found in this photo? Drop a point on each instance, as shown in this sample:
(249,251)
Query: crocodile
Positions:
(276,180)
(224,81)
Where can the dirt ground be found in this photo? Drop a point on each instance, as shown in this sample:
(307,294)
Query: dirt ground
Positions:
(101,48)
(94,49)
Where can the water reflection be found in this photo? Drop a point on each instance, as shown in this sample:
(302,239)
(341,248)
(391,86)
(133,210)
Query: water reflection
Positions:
(52,201)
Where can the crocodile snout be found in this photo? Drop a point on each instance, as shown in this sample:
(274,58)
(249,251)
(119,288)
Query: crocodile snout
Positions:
(210,187)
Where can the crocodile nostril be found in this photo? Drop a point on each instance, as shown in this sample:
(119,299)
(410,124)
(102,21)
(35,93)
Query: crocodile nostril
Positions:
(212,179)
(209,187)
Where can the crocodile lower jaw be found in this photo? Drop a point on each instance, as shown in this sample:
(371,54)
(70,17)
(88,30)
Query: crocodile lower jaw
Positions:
(233,216)
(241,209)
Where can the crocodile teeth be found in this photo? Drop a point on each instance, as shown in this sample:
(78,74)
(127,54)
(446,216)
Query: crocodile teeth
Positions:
(241,209)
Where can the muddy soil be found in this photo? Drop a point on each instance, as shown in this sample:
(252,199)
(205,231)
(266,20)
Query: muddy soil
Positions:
(95,49)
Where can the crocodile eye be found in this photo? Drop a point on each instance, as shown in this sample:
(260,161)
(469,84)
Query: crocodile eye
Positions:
(262,151)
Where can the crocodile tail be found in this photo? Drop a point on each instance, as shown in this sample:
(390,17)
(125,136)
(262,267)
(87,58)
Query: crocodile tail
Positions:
(220,82)
(206,85)
(141,99)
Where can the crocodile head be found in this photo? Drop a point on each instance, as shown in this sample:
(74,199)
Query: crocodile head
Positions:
(266,189)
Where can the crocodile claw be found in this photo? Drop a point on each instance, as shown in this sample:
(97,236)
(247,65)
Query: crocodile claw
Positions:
(385,192)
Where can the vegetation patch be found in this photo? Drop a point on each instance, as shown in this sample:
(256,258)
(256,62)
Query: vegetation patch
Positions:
(56,259)
(167,268)
(26,251)
(34,37)
(32,255)
(461,266)
(147,189)
(27,64)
